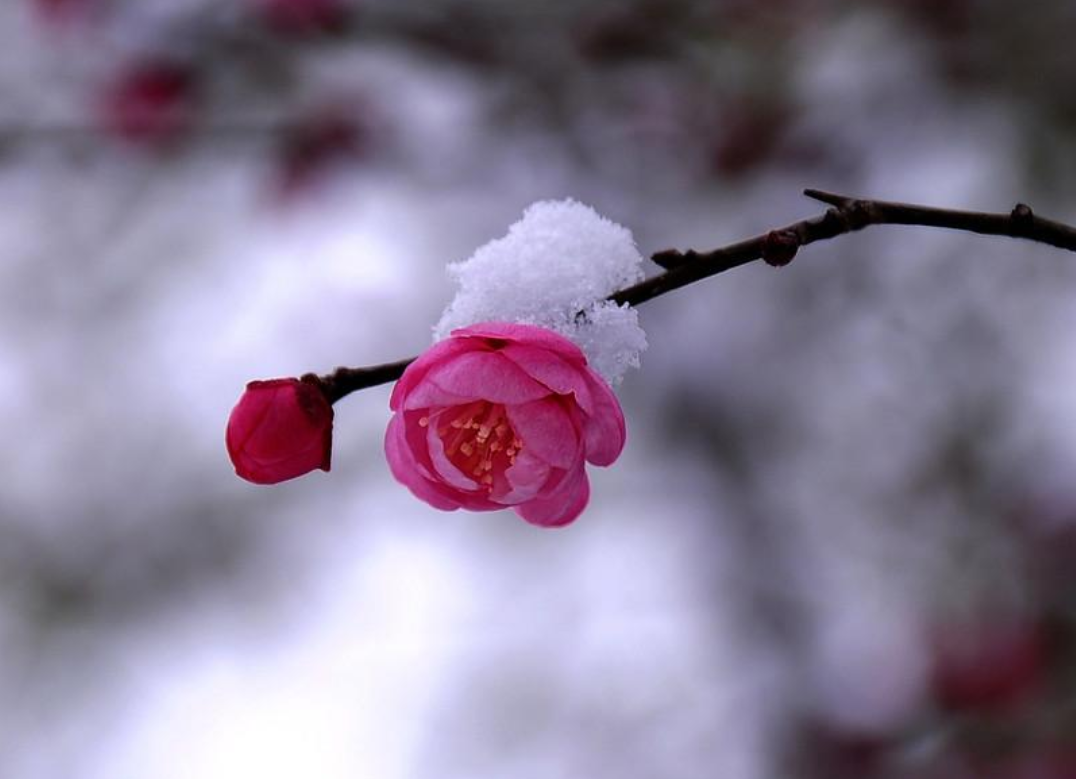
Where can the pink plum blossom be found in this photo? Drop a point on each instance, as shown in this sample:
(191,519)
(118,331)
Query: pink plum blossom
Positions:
(502,415)
(280,429)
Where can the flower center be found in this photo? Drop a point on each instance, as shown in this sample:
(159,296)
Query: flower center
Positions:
(478,439)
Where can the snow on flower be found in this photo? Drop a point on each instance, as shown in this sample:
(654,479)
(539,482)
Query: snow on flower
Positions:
(554,269)
(503,415)
(280,429)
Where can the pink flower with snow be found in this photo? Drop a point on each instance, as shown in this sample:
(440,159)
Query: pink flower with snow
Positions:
(500,416)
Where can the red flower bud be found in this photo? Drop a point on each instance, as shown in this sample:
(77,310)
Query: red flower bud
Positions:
(280,429)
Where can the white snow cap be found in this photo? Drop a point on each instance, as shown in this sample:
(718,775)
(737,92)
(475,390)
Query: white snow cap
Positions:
(560,260)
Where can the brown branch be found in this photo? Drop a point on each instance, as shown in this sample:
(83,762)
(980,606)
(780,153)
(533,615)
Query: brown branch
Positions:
(777,247)
(344,381)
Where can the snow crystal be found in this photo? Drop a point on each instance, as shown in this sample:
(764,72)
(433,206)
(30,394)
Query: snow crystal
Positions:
(554,269)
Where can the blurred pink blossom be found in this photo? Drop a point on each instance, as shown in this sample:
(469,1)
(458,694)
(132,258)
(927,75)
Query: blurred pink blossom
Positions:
(503,415)
(151,102)
(989,668)
(63,12)
(299,18)
(1049,762)
(315,145)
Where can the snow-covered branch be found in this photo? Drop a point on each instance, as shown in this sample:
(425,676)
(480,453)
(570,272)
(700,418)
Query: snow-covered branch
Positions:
(777,248)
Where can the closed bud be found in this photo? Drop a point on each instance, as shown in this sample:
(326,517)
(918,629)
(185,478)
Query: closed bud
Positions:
(280,429)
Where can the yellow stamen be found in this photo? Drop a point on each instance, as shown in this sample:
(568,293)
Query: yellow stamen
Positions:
(478,438)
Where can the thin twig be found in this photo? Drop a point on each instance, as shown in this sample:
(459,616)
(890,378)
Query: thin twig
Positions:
(777,247)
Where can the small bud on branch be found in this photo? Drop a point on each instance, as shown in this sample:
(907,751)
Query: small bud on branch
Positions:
(780,248)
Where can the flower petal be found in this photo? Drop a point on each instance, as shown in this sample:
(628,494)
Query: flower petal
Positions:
(552,370)
(525,478)
(444,467)
(527,334)
(435,355)
(486,376)
(604,429)
(408,471)
(428,395)
(546,431)
(561,508)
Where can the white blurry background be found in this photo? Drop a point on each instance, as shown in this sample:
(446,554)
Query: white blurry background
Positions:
(832,468)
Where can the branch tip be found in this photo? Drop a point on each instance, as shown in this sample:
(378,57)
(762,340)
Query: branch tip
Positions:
(829,198)
(668,258)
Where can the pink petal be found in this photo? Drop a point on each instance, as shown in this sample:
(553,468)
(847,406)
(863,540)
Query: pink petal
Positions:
(552,370)
(409,459)
(546,431)
(408,472)
(561,508)
(427,395)
(523,334)
(444,467)
(436,354)
(525,478)
(486,376)
(468,497)
(604,430)
(414,437)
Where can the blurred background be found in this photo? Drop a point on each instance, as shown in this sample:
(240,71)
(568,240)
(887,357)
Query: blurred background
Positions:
(841,542)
